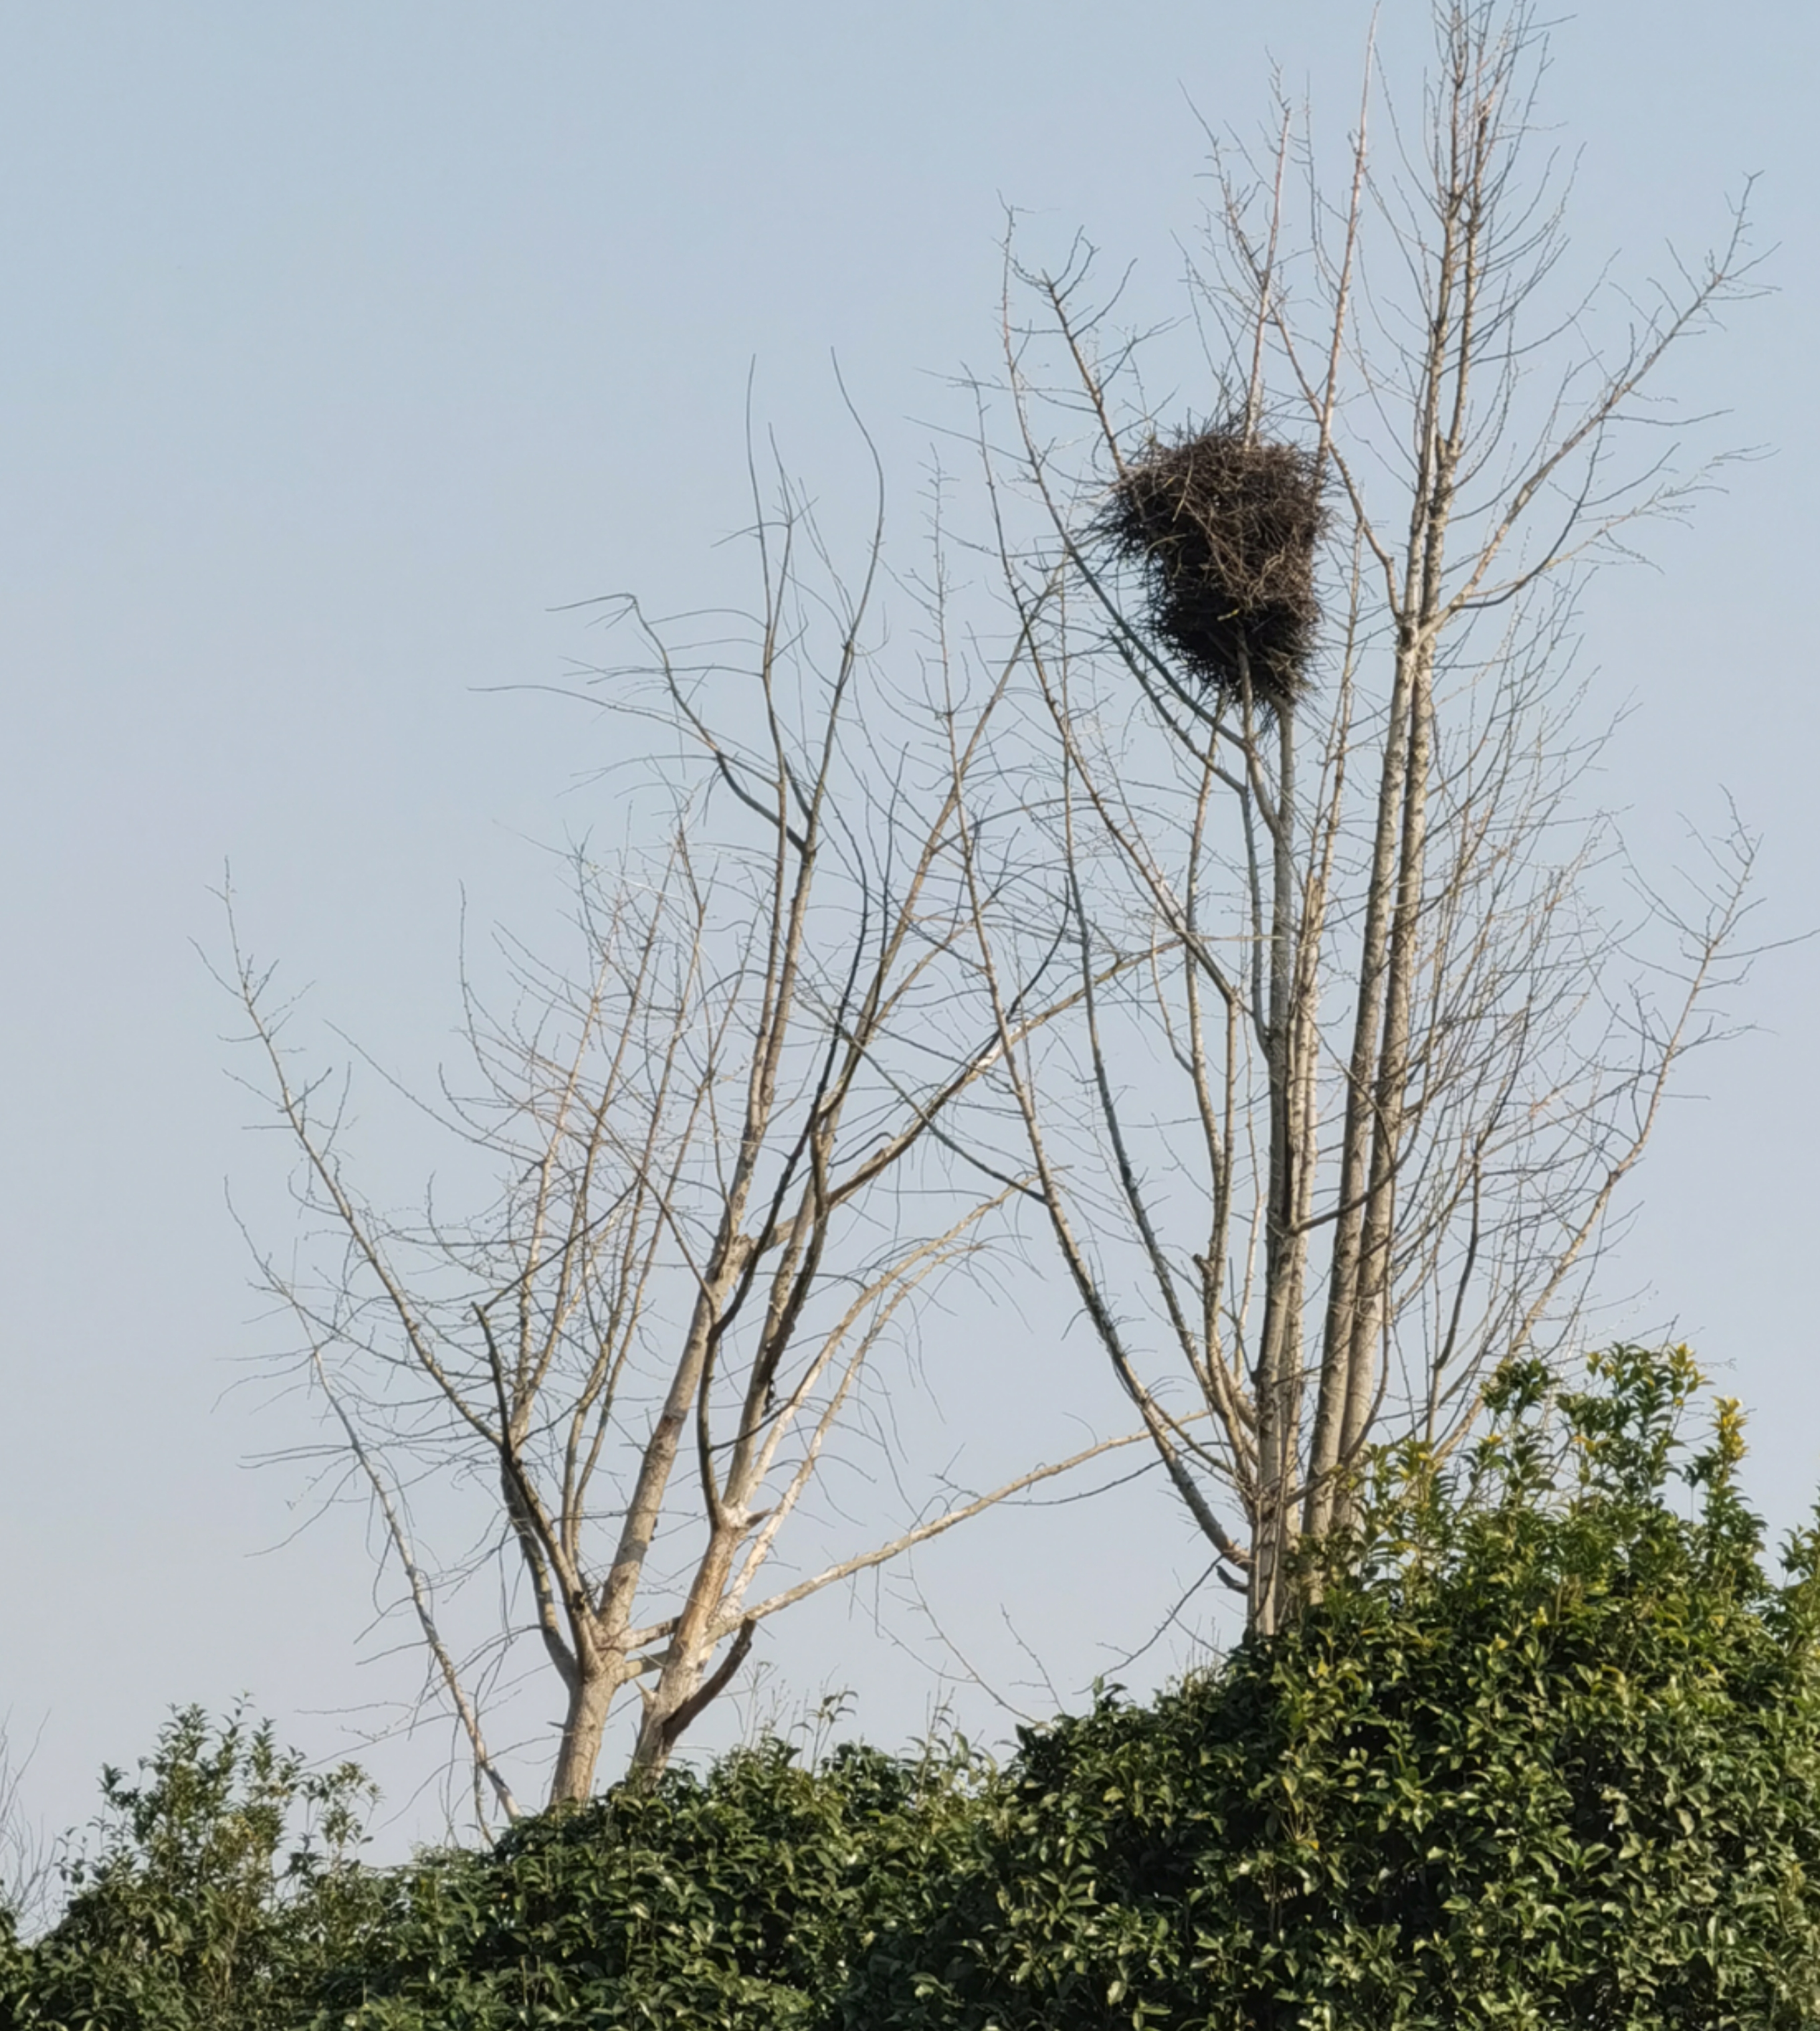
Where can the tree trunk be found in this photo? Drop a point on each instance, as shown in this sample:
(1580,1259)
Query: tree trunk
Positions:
(679,1694)
(1280,1357)
(1327,1452)
(590,1700)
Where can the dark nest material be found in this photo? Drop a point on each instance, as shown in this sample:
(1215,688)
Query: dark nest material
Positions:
(1225,531)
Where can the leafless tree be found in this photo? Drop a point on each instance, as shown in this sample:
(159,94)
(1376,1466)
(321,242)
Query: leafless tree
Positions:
(1354,1132)
(724,1175)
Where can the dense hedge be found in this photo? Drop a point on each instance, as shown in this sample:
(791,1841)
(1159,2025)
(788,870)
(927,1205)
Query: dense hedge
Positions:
(737,1899)
(1546,1753)
(1549,1754)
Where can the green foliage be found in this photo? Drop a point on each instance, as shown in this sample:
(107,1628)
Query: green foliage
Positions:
(1543,1751)
(738,1899)
(218,1882)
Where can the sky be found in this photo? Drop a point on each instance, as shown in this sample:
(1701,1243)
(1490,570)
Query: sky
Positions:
(345,350)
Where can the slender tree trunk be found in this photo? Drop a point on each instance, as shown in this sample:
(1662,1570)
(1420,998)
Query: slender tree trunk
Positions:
(1327,1449)
(1392,1101)
(590,1701)
(1279,1364)
(673,1702)
(659,1459)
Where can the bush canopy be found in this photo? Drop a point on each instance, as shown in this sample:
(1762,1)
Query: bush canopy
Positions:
(1544,1751)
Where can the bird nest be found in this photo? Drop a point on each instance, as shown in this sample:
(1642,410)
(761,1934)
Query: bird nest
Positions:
(1224,527)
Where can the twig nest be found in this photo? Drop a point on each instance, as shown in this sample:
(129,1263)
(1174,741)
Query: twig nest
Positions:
(1225,528)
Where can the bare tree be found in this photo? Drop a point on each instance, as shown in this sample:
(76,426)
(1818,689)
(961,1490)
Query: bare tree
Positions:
(1309,738)
(723,1176)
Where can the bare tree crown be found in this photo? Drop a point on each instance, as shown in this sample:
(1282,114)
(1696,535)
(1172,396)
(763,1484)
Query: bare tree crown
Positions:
(1224,914)
(724,1175)
(1351,1134)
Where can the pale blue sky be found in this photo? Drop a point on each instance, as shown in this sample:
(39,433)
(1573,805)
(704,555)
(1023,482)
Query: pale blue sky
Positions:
(344,344)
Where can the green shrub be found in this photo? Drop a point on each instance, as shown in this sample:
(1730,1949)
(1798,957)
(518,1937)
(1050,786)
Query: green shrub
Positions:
(1545,1755)
(736,1898)
(219,1886)
(1545,1752)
